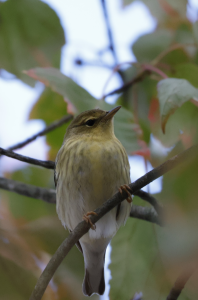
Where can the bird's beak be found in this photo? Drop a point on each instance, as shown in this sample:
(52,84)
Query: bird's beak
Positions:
(111,113)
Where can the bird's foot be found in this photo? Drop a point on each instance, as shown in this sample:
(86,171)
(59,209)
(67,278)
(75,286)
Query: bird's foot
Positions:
(126,188)
(87,219)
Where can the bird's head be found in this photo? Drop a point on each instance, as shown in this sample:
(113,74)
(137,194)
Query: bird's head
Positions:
(94,122)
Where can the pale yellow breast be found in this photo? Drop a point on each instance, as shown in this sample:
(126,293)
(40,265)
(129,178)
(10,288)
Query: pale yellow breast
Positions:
(102,168)
(90,172)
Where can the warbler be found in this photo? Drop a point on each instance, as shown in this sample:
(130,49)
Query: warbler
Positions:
(91,166)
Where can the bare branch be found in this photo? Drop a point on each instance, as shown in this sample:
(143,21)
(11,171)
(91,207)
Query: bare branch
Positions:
(109,32)
(180,284)
(96,63)
(47,195)
(49,128)
(83,227)
(45,164)
(146,214)
(150,199)
(147,69)
(127,85)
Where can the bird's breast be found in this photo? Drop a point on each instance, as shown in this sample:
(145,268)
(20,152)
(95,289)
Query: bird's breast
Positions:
(98,169)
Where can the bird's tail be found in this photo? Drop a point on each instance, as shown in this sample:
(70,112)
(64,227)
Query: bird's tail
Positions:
(94,281)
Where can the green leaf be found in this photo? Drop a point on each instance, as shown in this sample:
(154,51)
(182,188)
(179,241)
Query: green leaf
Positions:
(51,107)
(136,265)
(174,57)
(160,9)
(30,35)
(153,5)
(195,31)
(26,207)
(148,46)
(172,93)
(184,35)
(81,100)
(188,72)
(16,282)
(180,130)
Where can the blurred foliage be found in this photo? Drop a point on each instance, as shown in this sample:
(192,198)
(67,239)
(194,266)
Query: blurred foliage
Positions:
(162,104)
(50,107)
(79,100)
(30,35)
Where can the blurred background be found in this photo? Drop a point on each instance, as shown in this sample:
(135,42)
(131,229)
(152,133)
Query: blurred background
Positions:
(100,45)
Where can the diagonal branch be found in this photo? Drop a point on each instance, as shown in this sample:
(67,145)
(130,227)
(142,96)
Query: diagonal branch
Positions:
(45,164)
(146,70)
(180,284)
(49,128)
(83,227)
(127,85)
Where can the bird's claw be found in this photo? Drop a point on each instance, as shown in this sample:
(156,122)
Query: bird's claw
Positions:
(126,188)
(87,219)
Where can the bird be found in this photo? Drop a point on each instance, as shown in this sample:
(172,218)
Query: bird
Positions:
(90,167)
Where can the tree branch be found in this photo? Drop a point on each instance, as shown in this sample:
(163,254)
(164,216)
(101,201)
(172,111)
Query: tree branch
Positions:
(150,199)
(47,195)
(83,227)
(109,32)
(127,85)
(49,128)
(45,164)
(147,69)
(82,62)
(180,284)
(146,214)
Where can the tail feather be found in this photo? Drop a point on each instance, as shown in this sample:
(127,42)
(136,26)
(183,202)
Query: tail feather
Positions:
(90,285)
(94,281)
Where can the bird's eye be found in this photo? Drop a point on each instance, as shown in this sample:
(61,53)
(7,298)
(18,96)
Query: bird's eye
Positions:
(90,122)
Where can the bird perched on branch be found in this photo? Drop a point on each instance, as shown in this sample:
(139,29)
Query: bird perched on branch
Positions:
(91,166)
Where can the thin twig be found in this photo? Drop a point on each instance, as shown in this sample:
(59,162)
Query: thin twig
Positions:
(127,85)
(147,69)
(146,214)
(49,128)
(48,164)
(110,37)
(155,70)
(150,199)
(82,62)
(83,227)
(115,69)
(47,195)
(180,284)
(109,32)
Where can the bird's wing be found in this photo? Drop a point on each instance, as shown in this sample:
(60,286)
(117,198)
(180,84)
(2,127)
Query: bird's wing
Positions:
(56,174)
